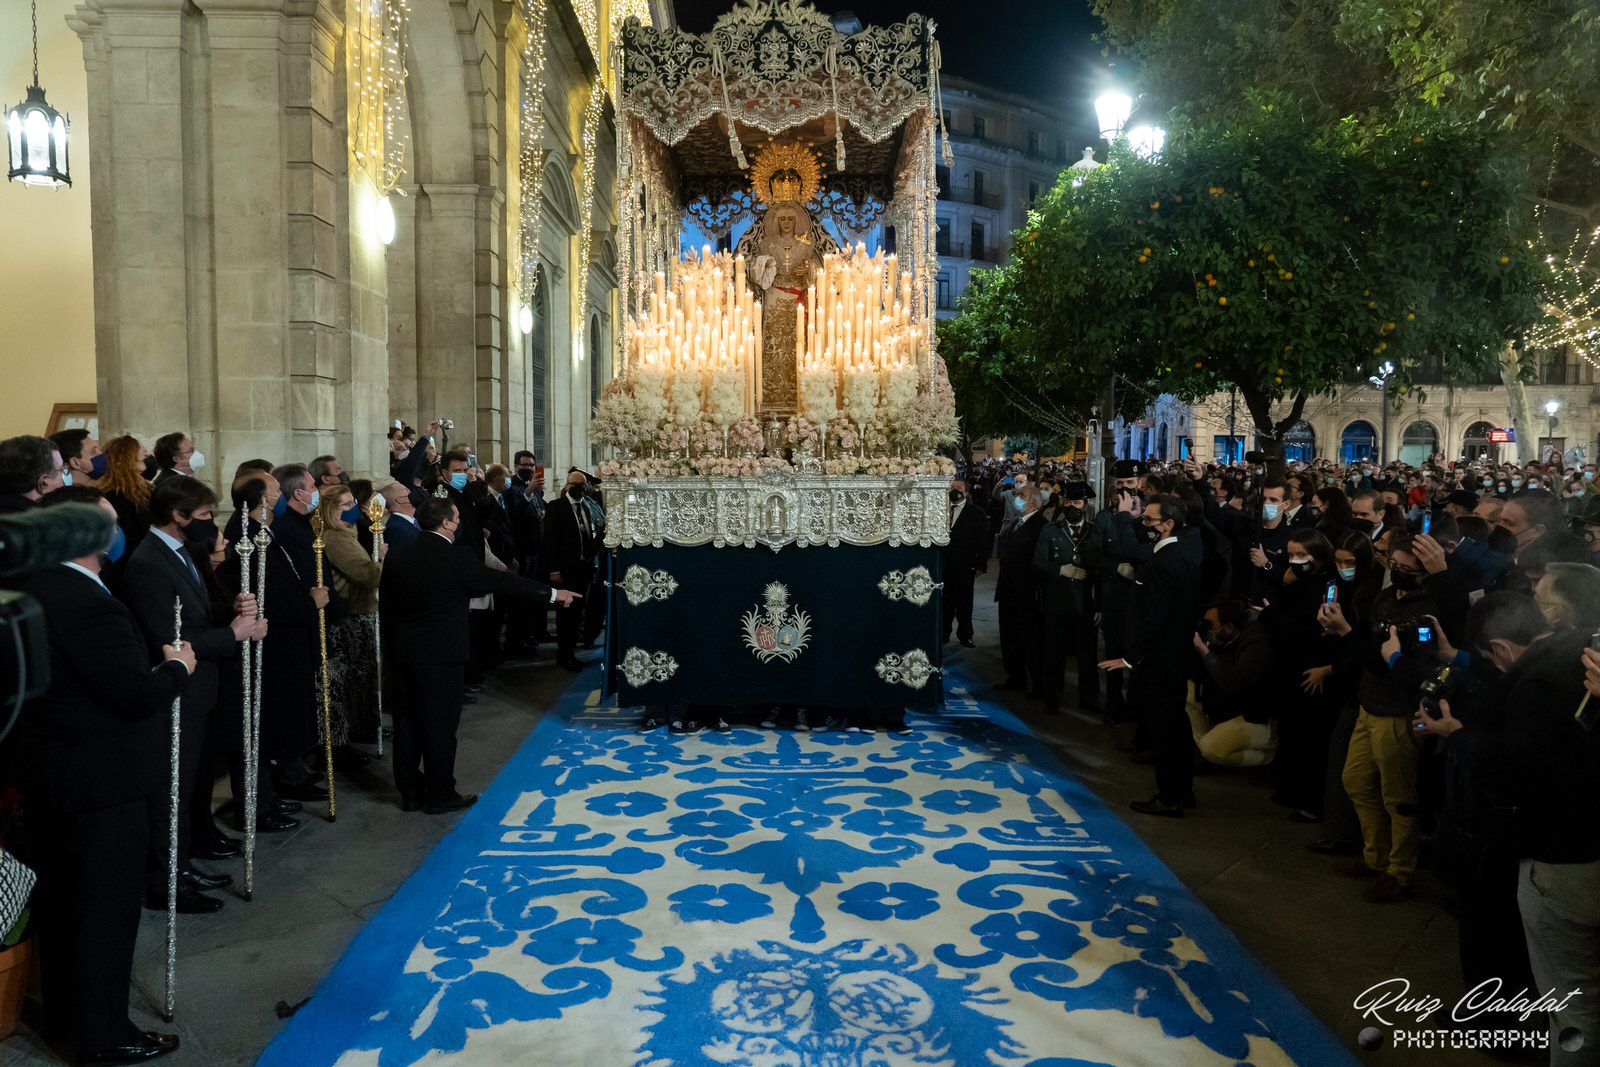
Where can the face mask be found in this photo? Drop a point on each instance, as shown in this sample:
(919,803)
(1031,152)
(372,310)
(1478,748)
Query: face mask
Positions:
(1044,495)
(403,453)
(575,492)
(66,478)
(1367,471)
(1404,579)
(197,460)
(97,466)
(201,532)
(1303,566)
(1150,534)
(1347,573)
(1516,483)
(1503,541)
(1018,503)
(119,544)
(1588,476)
(1269,512)
(524,476)
(1365,526)
(281,505)
(351,514)
(316,499)
(1073,512)
(458,481)
(956,497)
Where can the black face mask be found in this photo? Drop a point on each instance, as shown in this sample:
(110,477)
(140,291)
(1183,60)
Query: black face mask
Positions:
(575,492)
(1405,580)
(1365,526)
(1072,512)
(1503,541)
(201,532)
(1149,534)
(524,476)
(956,496)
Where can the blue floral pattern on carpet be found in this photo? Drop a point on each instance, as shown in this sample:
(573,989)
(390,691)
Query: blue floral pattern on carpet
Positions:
(947,897)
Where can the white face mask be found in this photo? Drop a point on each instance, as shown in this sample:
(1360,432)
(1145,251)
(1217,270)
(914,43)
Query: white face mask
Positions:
(197,460)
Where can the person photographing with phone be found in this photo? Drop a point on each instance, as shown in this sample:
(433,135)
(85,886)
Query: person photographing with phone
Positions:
(1380,771)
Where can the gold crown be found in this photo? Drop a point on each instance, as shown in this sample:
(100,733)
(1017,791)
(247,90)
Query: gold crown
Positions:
(786,172)
(786,186)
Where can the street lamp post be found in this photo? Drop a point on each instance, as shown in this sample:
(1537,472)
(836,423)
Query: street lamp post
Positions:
(1380,382)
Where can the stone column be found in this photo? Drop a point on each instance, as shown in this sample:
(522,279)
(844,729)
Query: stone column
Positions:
(446,307)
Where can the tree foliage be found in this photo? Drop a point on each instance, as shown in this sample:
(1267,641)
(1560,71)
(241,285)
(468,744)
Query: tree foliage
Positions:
(1271,252)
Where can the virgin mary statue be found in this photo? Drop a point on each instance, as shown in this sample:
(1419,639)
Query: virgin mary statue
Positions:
(785,247)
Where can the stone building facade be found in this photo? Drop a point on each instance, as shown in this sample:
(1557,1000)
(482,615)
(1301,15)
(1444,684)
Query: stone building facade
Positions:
(1451,417)
(241,288)
(1007,152)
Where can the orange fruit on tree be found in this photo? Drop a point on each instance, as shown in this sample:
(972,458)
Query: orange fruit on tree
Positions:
(1504,260)
(1144,259)
(1424,183)
(1249,262)
(1371,304)
(1222,300)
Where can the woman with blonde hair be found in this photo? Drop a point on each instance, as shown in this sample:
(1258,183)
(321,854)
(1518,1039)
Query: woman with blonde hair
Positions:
(352,648)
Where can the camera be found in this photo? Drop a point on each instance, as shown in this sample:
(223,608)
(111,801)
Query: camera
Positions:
(1448,684)
(1415,636)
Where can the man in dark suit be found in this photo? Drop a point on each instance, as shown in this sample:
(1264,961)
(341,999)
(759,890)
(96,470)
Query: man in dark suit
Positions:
(175,455)
(568,554)
(1068,599)
(400,528)
(160,572)
(1162,618)
(288,687)
(1016,594)
(423,600)
(92,756)
(965,557)
(525,505)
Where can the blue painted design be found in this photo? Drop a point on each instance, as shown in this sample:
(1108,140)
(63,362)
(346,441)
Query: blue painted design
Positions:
(952,897)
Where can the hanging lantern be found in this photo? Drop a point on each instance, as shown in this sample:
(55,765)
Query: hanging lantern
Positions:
(36,133)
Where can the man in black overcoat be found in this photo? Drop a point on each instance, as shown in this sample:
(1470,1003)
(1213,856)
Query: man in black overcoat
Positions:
(92,756)
(423,600)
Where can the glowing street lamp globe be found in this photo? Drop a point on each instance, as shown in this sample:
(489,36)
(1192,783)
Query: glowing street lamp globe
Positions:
(1112,110)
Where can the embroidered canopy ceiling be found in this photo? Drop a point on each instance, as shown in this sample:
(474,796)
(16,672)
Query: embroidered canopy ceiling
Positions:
(775,64)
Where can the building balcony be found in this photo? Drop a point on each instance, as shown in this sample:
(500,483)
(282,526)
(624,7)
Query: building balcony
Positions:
(967,196)
(963,250)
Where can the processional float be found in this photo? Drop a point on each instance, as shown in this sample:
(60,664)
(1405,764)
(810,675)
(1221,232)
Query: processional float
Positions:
(779,409)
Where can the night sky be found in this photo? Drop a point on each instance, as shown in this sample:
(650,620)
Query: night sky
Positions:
(1040,49)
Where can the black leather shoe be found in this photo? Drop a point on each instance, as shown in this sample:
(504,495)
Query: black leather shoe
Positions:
(199,881)
(225,848)
(153,1046)
(348,759)
(409,803)
(468,698)
(190,901)
(303,791)
(454,802)
(287,807)
(968,644)
(474,687)
(1153,806)
(570,665)
(268,823)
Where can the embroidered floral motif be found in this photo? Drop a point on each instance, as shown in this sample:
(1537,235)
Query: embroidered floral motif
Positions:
(776,631)
(915,585)
(640,585)
(912,669)
(641,668)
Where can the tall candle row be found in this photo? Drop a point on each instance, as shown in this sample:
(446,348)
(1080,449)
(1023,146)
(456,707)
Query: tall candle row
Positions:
(705,328)
(857,316)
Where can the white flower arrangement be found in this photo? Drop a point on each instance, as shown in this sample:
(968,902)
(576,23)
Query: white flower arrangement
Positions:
(684,395)
(672,437)
(861,396)
(725,396)
(899,390)
(819,394)
(650,390)
(618,421)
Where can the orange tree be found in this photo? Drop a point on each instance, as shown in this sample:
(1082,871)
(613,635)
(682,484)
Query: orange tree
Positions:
(1273,254)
